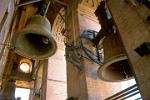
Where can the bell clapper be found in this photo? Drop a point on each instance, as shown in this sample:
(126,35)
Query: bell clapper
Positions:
(45,40)
(124,72)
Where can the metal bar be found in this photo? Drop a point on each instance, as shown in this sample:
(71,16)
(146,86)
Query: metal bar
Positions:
(119,93)
(86,52)
(28,2)
(99,36)
(97,50)
(139,98)
(36,68)
(130,95)
(45,12)
(123,95)
(44,7)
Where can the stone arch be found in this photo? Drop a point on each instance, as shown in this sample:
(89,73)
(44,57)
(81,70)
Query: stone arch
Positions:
(58,28)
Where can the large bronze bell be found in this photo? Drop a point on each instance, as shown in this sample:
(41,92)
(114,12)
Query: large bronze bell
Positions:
(116,67)
(35,40)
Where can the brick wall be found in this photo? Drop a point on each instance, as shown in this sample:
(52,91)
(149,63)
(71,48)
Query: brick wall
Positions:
(56,83)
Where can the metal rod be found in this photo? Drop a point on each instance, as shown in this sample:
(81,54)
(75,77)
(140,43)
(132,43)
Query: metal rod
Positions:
(86,52)
(45,12)
(139,98)
(36,68)
(97,50)
(28,2)
(130,95)
(122,92)
(44,7)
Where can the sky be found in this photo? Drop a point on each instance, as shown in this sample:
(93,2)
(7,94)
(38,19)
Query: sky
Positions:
(23,93)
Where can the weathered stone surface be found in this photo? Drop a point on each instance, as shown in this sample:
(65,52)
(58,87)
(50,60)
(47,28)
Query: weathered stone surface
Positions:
(134,31)
(6,15)
(56,79)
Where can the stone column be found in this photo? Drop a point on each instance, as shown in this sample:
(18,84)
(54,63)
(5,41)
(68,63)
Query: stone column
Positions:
(130,18)
(6,17)
(76,80)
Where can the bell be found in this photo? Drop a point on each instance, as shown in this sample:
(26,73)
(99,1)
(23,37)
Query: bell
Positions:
(116,67)
(35,40)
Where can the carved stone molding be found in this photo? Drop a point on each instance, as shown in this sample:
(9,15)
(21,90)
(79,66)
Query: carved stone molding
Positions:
(87,8)
(58,28)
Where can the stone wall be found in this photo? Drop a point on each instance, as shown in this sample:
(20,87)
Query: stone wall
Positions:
(56,80)
(134,30)
(6,15)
